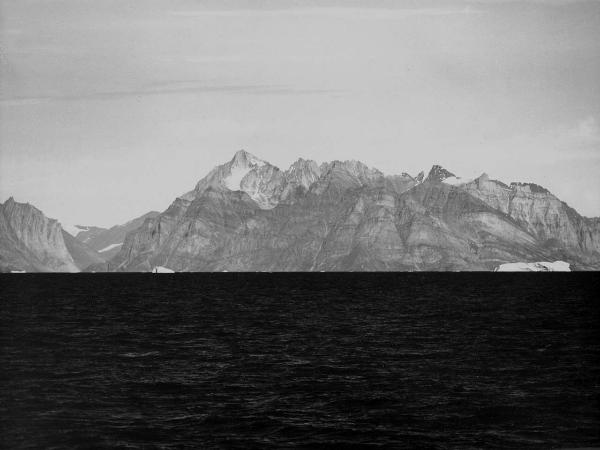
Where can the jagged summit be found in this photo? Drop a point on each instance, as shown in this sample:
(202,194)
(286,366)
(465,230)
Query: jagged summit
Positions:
(268,185)
(303,172)
(438,174)
(244,158)
(302,160)
(240,165)
(353,168)
(532,187)
(23,208)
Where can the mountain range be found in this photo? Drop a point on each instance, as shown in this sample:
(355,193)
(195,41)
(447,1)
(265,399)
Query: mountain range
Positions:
(249,215)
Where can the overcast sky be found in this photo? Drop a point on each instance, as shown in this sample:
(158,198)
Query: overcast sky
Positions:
(112,108)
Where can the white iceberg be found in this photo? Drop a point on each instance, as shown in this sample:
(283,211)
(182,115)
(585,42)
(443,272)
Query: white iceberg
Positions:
(161,269)
(556,266)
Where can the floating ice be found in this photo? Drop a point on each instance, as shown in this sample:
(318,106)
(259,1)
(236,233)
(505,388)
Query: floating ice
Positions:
(161,269)
(556,266)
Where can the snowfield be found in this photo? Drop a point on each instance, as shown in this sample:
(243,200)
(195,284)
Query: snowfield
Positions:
(234,180)
(110,247)
(456,181)
(556,266)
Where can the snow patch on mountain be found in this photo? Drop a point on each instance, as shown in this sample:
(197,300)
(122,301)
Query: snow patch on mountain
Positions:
(234,180)
(110,247)
(456,181)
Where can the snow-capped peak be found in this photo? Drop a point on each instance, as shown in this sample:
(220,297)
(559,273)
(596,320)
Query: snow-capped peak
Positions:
(439,174)
(244,158)
(239,166)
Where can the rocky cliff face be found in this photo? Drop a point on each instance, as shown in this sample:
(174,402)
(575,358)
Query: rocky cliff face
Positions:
(83,255)
(551,221)
(343,215)
(30,241)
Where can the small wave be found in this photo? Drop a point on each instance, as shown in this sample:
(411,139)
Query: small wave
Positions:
(138,355)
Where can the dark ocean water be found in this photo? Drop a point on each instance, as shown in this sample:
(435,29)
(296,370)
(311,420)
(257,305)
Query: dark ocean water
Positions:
(308,360)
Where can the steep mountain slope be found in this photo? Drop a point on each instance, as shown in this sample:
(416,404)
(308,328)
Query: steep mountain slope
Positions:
(30,241)
(82,255)
(107,241)
(343,215)
(551,221)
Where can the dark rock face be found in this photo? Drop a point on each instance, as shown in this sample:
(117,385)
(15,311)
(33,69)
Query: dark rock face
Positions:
(438,173)
(30,241)
(343,215)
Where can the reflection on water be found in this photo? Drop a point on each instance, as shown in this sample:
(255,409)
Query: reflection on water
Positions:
(272,360)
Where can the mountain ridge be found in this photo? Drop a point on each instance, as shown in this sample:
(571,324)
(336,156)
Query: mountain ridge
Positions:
(347,216)
(249,215)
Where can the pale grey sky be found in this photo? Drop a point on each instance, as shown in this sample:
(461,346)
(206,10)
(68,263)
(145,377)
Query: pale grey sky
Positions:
(111,108)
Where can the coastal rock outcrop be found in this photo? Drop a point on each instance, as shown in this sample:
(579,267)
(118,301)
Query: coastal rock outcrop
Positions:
(30,241)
